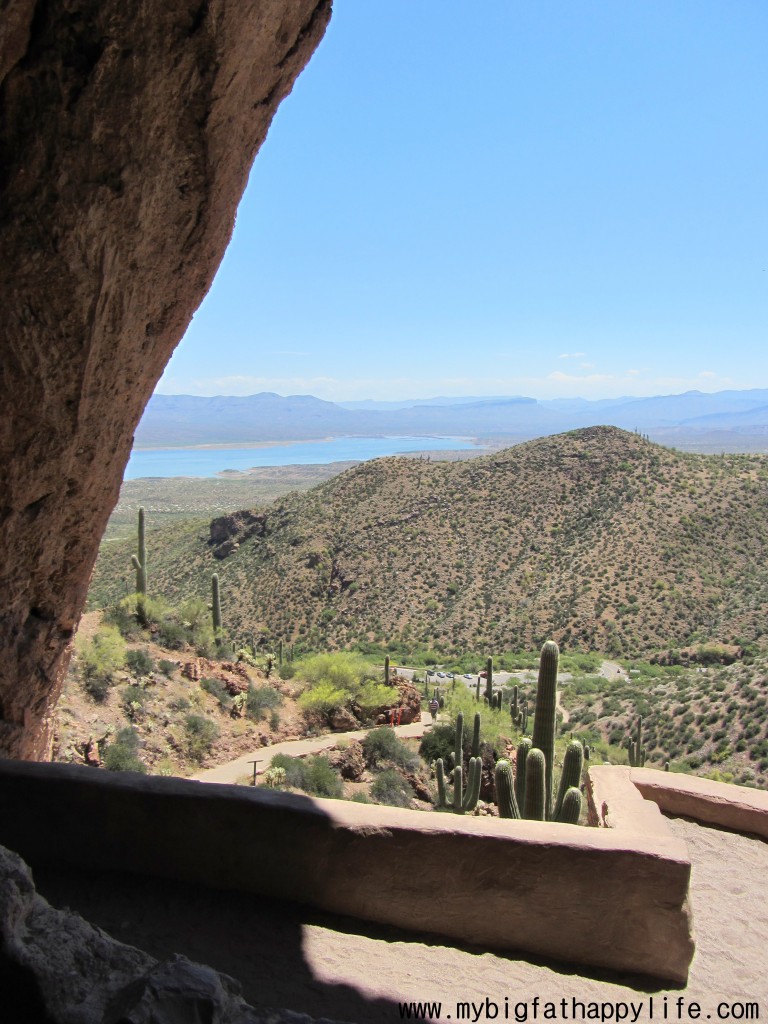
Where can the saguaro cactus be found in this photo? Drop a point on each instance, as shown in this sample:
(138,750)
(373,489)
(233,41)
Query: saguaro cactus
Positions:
(140,563)
(489,680)
(573,763)
(505,790)
(386,670)
(216,609)
(546,714)
(535,806)
(636,749)
(463,799)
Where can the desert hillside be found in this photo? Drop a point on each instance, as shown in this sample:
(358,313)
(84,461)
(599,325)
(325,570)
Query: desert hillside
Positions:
(596,538)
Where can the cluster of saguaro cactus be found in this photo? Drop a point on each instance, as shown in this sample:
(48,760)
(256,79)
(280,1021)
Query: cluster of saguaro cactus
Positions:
(636,748)
(531,793)
(464,798)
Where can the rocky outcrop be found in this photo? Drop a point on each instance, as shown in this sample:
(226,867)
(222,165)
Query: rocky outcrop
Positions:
(408,703)
(348,761)
(56,968)
(127,133)
(227,533)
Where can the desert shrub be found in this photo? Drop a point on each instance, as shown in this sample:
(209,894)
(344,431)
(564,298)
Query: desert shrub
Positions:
(260,701)
(323,697)
(342,671)
(179,704)
(173,635)
(121,617)
(438,742)
(200,735)
(133,699)
(391,788)
(274,721)
(167,667)
(122,754)
(312,774)
(100,658)
(274,777)
(139,662)
(381,746)
(372,695)
(218,690)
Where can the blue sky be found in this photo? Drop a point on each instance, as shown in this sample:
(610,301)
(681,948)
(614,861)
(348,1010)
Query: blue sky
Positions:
(550,198)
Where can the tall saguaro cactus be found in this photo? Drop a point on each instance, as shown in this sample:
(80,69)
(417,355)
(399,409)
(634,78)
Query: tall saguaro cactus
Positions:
(216,609)
(533,789)
(636,748)
(386,670)
(489,679)
(544,722)
(140,562)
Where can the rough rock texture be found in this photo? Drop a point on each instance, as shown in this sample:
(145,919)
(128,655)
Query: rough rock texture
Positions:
(349,762)
(229,532)
(55,967)
(127,133)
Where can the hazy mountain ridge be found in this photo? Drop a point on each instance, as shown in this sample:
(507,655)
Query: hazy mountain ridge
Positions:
(596,538)
(186,419)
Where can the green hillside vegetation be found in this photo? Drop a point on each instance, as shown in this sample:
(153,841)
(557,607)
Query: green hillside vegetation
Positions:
(597,538)
(709,721)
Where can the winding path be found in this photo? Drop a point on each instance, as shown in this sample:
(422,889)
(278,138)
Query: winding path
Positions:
(243,766)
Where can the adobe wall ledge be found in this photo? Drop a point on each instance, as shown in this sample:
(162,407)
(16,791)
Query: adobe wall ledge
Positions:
(717,803)
(551,890)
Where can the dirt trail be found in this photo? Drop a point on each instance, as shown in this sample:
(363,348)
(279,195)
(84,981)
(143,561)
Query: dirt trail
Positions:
(243,765)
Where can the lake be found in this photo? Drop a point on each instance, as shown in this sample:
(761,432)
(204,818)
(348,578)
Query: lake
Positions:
(207,462)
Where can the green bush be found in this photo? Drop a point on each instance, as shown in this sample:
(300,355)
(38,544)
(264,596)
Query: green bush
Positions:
(391,788)
(260,701)
(100,658)
(373,695)
(167,667)
(314,775)
(200,735)
(341,671)
(323,697)
(139,662)
(133,699)
(218,690)
(438,742)
(122,754)
(381,746)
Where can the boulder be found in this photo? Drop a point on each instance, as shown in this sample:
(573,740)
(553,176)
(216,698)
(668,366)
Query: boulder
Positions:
(349,762)
(56,968)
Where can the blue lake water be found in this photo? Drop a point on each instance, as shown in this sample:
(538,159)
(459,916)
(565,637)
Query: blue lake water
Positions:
(208,462)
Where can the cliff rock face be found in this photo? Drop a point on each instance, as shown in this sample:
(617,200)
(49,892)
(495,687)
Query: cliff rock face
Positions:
(127,132)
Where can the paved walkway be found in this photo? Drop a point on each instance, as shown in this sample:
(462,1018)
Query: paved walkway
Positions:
(241,766)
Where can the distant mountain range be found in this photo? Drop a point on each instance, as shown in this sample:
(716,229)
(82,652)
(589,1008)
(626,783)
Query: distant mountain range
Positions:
(733,419)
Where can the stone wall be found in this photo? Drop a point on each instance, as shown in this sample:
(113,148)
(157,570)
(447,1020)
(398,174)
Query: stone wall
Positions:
(127,133)
(552,890)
